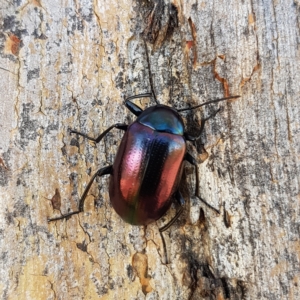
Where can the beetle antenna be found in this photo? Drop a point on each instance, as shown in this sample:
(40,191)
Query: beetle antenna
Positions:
(172,86)
(150,75)
(208,102)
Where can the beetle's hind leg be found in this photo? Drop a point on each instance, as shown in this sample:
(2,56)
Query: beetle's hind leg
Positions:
(192,161)
(181,201)
(103,134)
(103,171)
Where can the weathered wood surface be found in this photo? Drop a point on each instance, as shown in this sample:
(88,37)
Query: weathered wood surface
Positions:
(70,64)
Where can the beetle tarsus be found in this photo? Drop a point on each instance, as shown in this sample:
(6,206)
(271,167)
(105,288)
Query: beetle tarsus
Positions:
(64,216)
(145,95)
(164,247)
(208,205)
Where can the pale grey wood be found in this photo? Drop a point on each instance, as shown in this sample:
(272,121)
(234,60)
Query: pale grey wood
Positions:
(70,65)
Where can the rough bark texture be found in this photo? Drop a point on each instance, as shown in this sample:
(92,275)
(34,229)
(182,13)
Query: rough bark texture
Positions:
(66,64)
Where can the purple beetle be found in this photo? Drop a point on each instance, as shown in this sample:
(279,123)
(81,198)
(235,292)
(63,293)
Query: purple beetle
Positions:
(145,176)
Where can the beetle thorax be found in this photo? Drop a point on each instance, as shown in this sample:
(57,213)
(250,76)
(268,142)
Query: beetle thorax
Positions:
(162,118)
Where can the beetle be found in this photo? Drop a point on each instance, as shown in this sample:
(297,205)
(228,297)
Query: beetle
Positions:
(145,176)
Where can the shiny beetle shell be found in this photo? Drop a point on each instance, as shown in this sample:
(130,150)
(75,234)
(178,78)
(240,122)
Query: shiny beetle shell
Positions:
(148,166)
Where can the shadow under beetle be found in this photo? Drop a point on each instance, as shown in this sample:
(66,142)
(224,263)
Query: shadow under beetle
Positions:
(145,176)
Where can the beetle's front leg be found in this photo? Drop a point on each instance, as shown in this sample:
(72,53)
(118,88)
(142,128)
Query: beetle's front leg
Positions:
(192,160)
(103,134)
(135,109)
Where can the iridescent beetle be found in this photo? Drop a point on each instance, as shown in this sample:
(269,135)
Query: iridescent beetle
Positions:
(145,176)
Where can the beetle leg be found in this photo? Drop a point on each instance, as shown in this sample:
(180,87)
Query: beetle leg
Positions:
(181,201)
(100,172)
(103,134)
(193,161)
(203,121)
(207,118)
(135,109)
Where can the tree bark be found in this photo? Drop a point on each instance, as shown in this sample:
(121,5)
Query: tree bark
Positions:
(67,64)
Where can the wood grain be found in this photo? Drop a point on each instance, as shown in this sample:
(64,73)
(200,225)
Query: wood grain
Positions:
(66,64)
